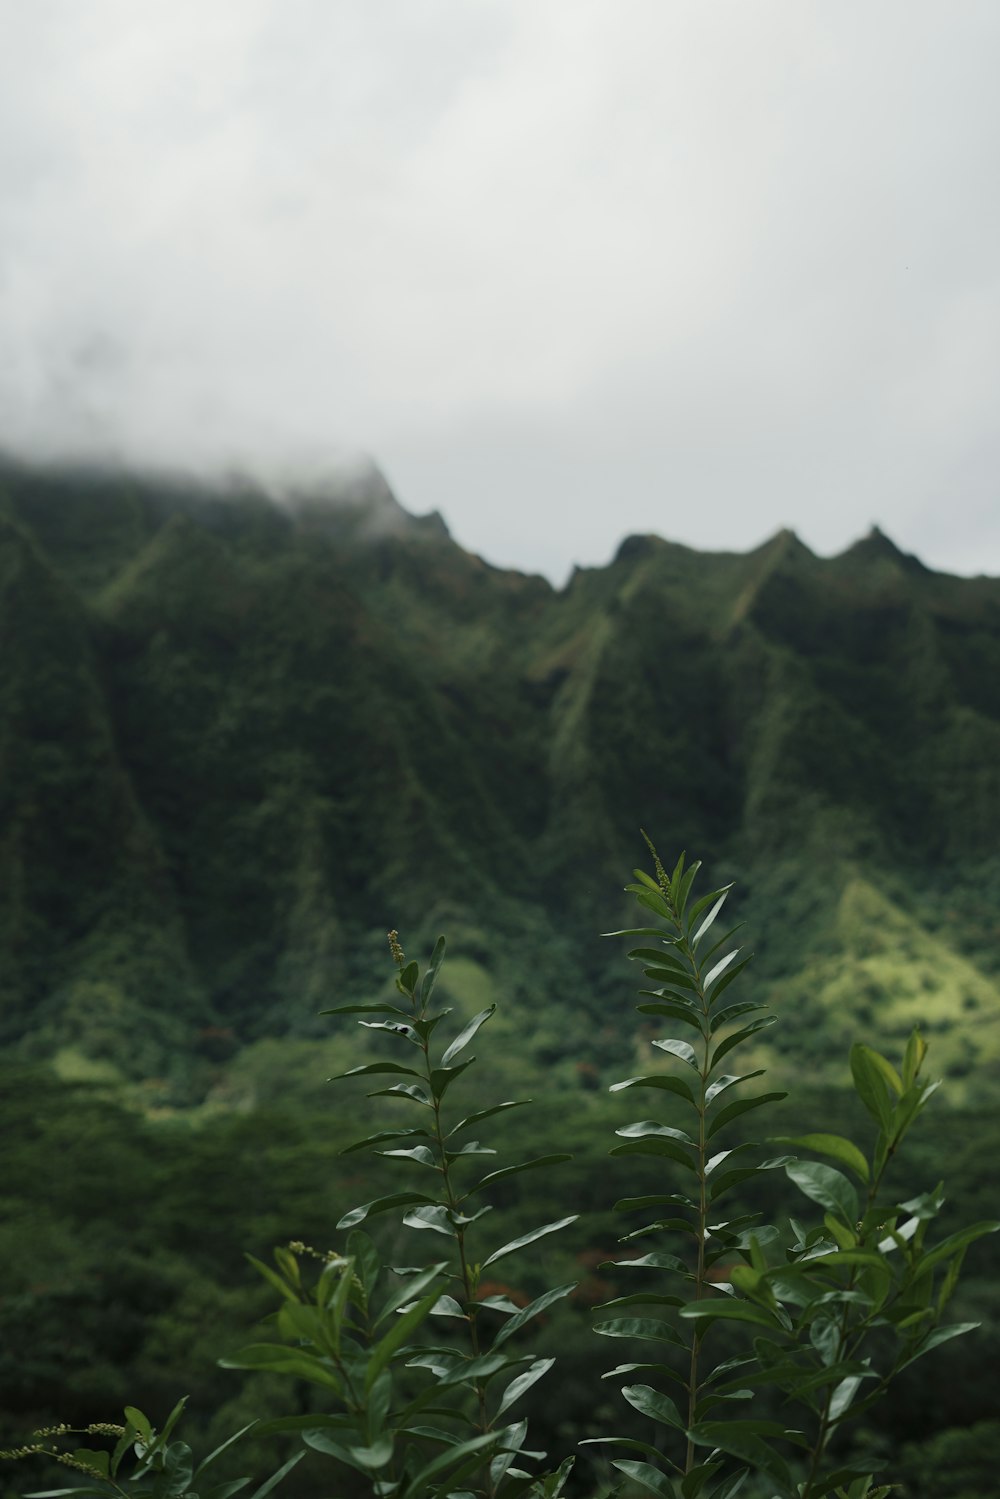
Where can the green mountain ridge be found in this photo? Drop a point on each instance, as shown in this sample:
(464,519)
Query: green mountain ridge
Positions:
(239,739)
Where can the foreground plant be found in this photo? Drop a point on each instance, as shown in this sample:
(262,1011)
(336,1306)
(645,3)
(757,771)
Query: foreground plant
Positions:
(835,1314)
(142,1463)
(385,1384)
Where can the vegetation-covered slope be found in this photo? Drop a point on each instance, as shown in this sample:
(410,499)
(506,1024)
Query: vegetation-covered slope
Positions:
(239,739)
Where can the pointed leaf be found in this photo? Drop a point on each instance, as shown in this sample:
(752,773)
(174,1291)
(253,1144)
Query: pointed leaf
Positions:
(466,1034)
(523,1382)
(728,1310)
(529,1238)
(381,1205)
(443,1077)
(482,1114)
(526,1313)
(730,1042)
(384,1134)
(371,1068)
(646,1127)
(663,1080)
(652,1328)
(646,1476)
(651,1403)
(433,969)
(728,1081)
(505,1171)
(682,1049)
(741,1106)
(828,1187)
(272,1482)
(832,1145)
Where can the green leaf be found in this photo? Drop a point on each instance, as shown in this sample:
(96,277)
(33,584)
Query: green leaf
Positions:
(682,890)
(727,1045)
(452,1457)
(281,1360)
(639,1327)
(646,1476)
(731,1013)
(379,1009)
(394,1027)
(657,1146)
(656,1261)
(381,1205)
(370,1069)
(727,1309)
(418,1153)
(433,1216)
(141,1422)
(466,1034)
(828,1187)
(916,1050)
(631,1442)
(272,1483)
(401,1329)
(719,968)
(728,1081)
(403,1090)
(745,1440)
(938,1336)
(957,1241)
(644,1128)
(526,1313)
(686,1014)
(719,897)
(99,1463)
(682,1049)
(642,931)
(659,1199)
(664,1080)
(529,1238)
(650,1402)
(433,969)
(408,978)
(731,974)
(652,900)
(413,1287)
(741,1106)
(443,1077)
(505,1171)
(832,1145)
(482,1114)
(384,1134)
(666,956)
(523,1382)
(639,1298)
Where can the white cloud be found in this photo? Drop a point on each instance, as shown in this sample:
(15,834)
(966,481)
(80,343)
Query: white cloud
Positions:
(566,270)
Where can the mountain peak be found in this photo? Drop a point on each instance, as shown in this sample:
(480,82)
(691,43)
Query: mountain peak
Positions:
(876,546)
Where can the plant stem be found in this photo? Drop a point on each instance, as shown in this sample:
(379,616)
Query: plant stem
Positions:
(459,1234)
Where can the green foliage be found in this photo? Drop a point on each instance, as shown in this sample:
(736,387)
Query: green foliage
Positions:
(833,1317)
(756,1349)
(142,1464)
(355,1339)
(223,759)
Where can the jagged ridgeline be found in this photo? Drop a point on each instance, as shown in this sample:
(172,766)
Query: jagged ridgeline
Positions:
(242,734)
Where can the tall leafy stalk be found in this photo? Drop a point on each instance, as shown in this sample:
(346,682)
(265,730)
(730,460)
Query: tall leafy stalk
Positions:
(692,966)
(822,1305)
(450,1204)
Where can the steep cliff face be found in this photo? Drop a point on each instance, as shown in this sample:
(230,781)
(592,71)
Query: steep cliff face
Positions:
(238,738)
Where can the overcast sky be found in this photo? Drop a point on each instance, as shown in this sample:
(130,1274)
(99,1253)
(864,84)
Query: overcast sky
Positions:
(568,269)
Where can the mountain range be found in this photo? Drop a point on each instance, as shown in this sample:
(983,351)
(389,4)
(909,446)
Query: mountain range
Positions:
(244,730)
